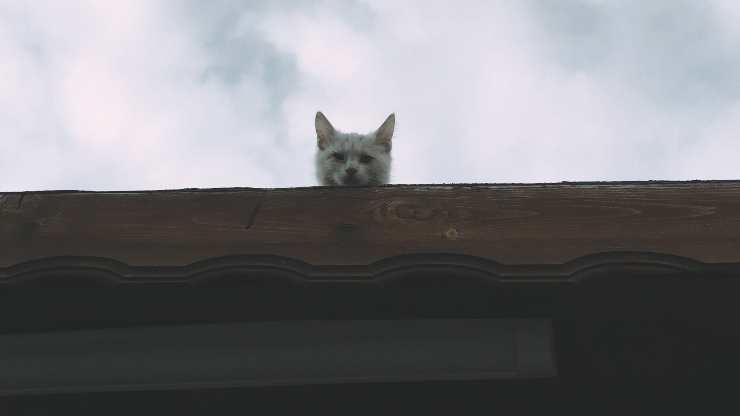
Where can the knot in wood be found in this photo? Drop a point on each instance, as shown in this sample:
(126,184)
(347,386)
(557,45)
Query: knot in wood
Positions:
(451,234)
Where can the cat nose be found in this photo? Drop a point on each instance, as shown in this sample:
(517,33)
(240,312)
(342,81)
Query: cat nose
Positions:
(351,171)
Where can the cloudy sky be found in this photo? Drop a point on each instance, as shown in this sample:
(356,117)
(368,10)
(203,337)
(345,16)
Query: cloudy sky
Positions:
(116,95)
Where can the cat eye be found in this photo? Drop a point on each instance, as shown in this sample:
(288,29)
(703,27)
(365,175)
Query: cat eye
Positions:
(338,156)
(366,159)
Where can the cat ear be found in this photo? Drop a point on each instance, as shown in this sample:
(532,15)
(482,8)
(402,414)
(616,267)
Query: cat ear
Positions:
(384,134)
(324,130)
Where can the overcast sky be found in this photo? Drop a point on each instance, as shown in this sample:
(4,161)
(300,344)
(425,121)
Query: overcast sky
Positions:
(117,95)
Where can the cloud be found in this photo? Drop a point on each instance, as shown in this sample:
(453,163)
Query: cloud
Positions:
(179,94)
(125,96)
(503,92)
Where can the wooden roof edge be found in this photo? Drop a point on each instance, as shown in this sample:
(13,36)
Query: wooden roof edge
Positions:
(527,224)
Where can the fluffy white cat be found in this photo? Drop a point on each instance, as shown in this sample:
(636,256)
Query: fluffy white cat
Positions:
(352,159)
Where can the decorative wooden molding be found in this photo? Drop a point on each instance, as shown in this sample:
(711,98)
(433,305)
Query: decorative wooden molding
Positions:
(400,271)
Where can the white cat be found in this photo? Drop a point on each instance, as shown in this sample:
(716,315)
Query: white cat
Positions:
(351,159)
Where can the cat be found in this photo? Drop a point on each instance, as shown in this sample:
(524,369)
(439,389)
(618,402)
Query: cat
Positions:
(352,159)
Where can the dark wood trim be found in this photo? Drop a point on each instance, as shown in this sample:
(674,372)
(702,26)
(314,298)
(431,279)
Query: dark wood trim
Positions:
(508,225)
(391,272)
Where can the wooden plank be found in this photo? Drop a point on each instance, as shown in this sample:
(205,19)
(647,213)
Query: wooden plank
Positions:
(510,224)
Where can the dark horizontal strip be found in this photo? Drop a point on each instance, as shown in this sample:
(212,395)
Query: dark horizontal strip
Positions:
(282,353)
(384,272)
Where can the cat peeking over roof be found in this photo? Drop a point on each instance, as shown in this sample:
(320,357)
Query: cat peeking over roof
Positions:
(352,159)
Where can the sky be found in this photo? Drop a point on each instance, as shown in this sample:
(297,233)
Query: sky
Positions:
(147,94)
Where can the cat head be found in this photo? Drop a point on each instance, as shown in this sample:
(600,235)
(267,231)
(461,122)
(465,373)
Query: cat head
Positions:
(351,159)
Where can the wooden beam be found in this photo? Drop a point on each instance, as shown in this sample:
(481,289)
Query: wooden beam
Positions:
(515,224)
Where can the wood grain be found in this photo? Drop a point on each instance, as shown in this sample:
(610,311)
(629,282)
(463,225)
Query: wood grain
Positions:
(509,224)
